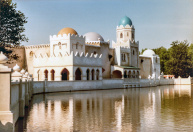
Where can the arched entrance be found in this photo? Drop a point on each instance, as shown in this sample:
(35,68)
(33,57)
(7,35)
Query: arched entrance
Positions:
(133,74)
(129,74)
(125,74)
(117,74)
(88,74)
(46,74)
(65,74)
(97,74)
(78,74)
(52,75)
(92,74)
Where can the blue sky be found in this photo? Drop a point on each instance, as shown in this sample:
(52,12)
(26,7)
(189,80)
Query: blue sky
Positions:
(157,22)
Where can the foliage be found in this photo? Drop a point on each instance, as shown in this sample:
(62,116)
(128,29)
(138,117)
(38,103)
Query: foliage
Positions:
(11,27)
(177,60)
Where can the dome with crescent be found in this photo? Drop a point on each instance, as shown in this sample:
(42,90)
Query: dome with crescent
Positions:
(125,21)
(67,31)
(92,36)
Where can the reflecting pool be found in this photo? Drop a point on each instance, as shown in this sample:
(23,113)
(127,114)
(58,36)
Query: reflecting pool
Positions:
(163,108)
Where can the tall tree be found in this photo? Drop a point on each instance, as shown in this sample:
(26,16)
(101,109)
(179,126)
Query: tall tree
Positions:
(11,26)
(179,63)
(190,54)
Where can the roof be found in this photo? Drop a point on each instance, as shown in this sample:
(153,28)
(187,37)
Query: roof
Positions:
(125,21)
(127,67)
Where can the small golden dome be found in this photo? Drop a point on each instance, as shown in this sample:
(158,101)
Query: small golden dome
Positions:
(67,31)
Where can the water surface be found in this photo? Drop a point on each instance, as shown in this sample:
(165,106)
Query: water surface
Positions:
(163,108)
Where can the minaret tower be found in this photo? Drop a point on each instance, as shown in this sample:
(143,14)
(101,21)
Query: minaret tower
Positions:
(125,31)
(126,49)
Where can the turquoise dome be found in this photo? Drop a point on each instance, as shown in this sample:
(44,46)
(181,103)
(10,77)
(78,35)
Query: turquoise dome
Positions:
(124,21)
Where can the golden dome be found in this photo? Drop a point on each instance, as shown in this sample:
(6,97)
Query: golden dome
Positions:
(67,31)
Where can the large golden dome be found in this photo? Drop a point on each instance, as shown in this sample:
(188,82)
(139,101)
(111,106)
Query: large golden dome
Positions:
(67,31)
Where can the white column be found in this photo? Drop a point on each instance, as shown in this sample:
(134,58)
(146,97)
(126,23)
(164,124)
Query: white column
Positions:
(5,94)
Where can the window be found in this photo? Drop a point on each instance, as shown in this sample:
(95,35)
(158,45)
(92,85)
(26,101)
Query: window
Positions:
(133,35)
(94,52)
(123,57)
(127,34)
(31,54)
(59,45)
(76,46)
(121,35)
(133,52)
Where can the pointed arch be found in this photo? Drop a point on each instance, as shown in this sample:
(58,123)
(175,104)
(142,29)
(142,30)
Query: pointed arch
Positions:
(93,73)
(65,74)
(129,74)
(121,35)
(52,75)
(125,74)
(88,74)
(46,74)
(78,74)
(97,74)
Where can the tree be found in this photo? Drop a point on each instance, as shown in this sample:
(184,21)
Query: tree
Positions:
(179,63)
(190,54)
(11,27)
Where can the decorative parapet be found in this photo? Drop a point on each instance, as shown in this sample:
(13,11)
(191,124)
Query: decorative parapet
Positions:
(37,46)
(66,36)
(127,26)
(62,59)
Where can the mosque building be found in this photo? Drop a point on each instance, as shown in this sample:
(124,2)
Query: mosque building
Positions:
(71,56)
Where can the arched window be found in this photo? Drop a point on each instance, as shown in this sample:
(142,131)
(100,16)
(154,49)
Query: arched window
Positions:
(121,35)
(59,45)
(133,74)
(76,45)
(125,74)
(117,74)
(129,74)
(97,74)
(92,74)
(78,74)
(52,75)
(65,74)
(133,35)
(46,74)
(31,54)
(88,74)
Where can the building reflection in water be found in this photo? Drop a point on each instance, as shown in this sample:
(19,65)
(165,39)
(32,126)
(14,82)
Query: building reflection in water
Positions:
(139,109)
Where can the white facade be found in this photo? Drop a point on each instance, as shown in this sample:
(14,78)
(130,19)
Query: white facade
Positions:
(70,56)
(150,64)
